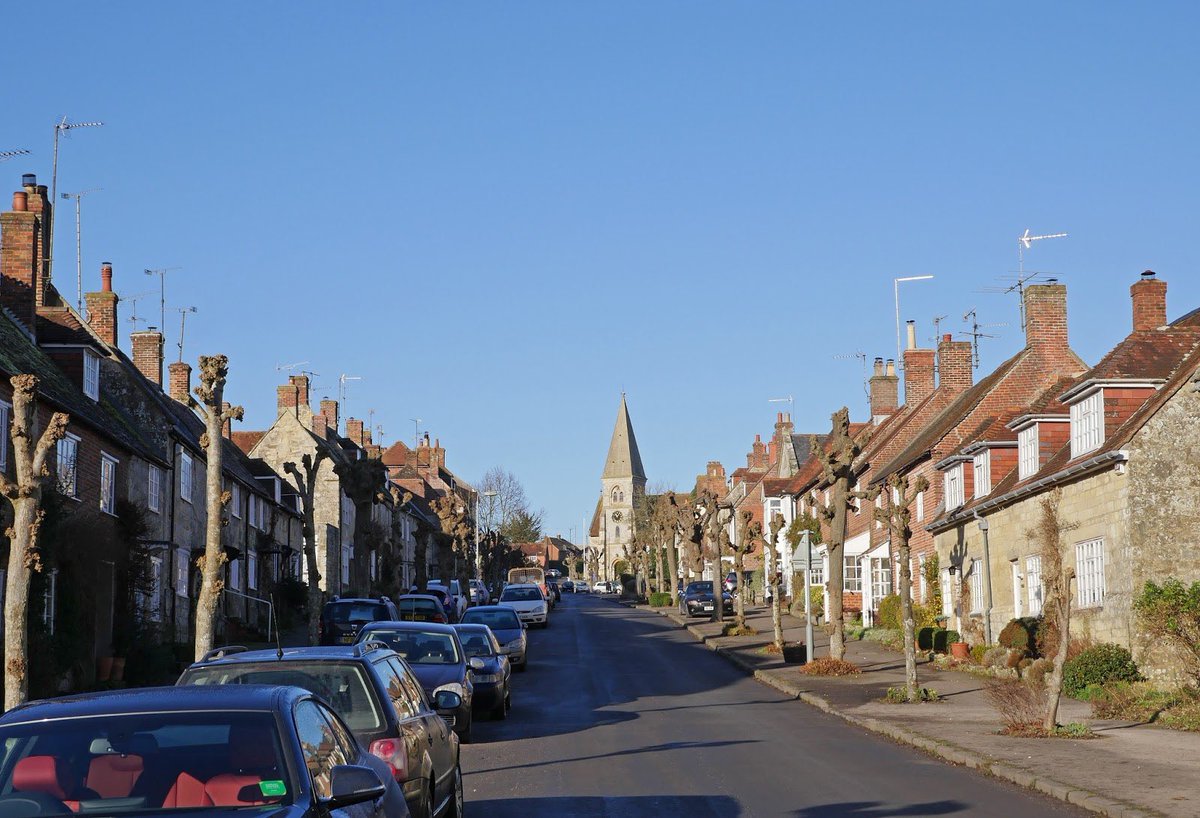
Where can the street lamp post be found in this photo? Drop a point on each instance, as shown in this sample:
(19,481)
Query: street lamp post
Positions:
(802,561)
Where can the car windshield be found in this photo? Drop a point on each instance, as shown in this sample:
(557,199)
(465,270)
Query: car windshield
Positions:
(496,620)
(418,609)
(520,595)
(419,647)
(342,612)
(476,642)
(138,763)
(343,684)
(700,588)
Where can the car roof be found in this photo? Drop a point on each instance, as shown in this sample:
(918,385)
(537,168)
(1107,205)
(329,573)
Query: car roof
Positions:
(489,608)
(471,626)
(324,653)
(425,597)
(523,585)
(188,698)
(424,627)
(360,599)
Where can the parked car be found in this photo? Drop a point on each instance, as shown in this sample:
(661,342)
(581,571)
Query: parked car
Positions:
(555,592)
(378,698)
(604,587)
(493,682)
(528,602)
(343,617)
(458,600)
(436,658)
(508,629)
(479,592)
(420,608)
(150,751)
(698,599)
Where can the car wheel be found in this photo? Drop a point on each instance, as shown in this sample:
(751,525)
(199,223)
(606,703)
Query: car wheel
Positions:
(426,805)
(500,711)
(456,799)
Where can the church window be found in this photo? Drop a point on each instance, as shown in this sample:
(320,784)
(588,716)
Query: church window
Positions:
(618,496)
(618,532)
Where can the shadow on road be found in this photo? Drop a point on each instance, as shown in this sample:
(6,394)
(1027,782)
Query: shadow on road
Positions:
(874,809)
(657,748)
(633,806)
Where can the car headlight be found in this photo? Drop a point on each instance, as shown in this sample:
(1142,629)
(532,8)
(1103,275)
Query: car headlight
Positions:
(486,678)
(515,644)
(453,687)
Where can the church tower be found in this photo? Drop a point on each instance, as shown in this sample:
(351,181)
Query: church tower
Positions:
(623,485)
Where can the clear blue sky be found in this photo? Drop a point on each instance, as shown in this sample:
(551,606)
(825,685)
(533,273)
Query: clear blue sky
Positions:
(500,215)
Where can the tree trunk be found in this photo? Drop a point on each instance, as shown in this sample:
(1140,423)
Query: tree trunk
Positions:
(837,572)
(739,588)
(421,560)
(211,583)
(1054,680)
(16,600)
(906,614)
(777,611)
(672,568)
(314,575)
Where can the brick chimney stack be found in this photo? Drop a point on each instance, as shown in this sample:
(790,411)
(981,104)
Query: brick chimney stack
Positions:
(331,413)
(148,354)
(713,478)
(20,255)
(102,307)
(758,459)
(1149,302)
(292,395)
(1046,316)
(885,391)
(918,370)
(354,431)
(179,375)
(956,371)
(227,426)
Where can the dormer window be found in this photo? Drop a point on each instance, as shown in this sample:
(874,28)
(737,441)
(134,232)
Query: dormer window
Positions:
(953,482)
(1087,424)
(91,374)
(983,473)
(1028,457)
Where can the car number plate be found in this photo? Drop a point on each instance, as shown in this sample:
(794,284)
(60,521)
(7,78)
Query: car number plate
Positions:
(708,607)
(347,640)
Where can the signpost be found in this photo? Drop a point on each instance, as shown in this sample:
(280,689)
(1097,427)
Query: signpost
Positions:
(801,561)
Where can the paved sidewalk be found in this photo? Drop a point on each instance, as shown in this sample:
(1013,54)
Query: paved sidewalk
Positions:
(1131,770)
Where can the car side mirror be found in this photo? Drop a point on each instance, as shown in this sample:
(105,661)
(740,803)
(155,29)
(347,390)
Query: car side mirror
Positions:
(352,784)
(477,664)
(446,700)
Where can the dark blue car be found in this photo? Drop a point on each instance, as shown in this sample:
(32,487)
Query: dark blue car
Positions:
(493,681)
(211,750)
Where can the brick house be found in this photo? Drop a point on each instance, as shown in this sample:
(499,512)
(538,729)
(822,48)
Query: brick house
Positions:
(1121,442)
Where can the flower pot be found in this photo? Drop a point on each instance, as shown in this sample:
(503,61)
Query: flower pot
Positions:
(960,650)
(118,669)
(104,665)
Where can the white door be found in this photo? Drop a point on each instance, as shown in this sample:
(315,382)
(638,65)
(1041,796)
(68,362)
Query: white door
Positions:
(1017,582)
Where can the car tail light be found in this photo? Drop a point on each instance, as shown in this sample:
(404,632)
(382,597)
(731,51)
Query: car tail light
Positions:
(439,618)
(391,752)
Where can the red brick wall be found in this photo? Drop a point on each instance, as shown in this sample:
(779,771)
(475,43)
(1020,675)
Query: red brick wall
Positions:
(1120,404)
(1149,304)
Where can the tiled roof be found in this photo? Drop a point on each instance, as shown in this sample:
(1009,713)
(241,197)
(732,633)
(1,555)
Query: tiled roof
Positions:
(247,440)
(60,325)
(1151,355)
(396,454)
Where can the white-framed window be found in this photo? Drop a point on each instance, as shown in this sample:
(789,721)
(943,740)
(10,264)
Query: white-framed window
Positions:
(920,506)
(921,576)
(1089,570)
(91,374)
(878,506)
(235,575)
(185,476)
(953,479)
(1087,424)
(50,600)
(108,483)
(251,569)
(374,566)
(152,599)
(852,577)
(182,572)
(235,500)
(154,489)
(976,578)
(347,552)
(1028,455)
(881,577)
(252,511)
(816,572)
(826,498)
(5,433)
(1033,585)
(983,473)
(947,593)
(65,468)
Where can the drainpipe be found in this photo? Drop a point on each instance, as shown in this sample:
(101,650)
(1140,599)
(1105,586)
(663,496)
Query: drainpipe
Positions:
(987,581)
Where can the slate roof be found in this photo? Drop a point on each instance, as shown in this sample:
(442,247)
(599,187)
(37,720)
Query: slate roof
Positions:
(624,459)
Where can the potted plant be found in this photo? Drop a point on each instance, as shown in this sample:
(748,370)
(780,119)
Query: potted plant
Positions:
(958,648)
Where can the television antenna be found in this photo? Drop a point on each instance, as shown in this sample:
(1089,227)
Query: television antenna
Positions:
(78,197)
(416,431)
(789,400)
(1025,242)
(975,334)
(289,367)
(133,299)
(343,391)
(937,328)
(6,155)
(862,356)
(161,272)
(183,313)
(61,128)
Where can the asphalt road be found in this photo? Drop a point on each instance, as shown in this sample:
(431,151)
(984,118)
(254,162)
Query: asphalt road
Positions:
(623,714)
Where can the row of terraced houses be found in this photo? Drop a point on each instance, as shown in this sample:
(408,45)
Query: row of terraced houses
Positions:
(124,529)
(1119,440)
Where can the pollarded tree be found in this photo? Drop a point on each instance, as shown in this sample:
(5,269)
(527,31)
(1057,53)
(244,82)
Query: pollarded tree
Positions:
(1056,578)
(669,520)
(212,408)
(837,459)
(364,482)
(896,516)
(306,487)
(692,516)
(772,577)
(29,462)
(749,535)
(456,527)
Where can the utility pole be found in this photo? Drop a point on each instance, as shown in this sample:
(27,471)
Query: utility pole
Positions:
(78,197)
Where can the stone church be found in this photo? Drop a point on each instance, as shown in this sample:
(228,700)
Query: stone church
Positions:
(623,484)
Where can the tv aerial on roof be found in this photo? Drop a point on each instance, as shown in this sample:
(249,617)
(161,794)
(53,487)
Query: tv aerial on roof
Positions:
(975,334)
(6,155)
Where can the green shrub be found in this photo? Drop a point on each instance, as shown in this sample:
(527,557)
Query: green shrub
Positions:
(661,600)
(887,636)
(1021,634)
(888,613)
(1171,613)
(899,695)
(1098,665)
(925,638)
(977,653)
(942,640)
(925,616)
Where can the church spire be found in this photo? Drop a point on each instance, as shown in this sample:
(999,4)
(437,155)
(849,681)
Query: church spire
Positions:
(624,460)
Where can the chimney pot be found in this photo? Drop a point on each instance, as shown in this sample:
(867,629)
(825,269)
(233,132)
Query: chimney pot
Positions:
(912,334)
(891,367)
(20,201)
(1147,274)
(106,276)
(879,366)
(29,180)
(946,338)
